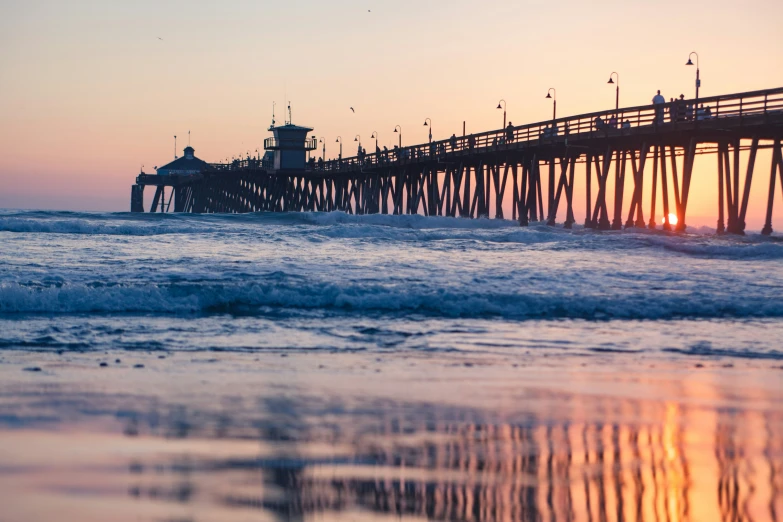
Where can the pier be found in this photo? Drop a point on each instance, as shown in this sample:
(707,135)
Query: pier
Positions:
(468,176)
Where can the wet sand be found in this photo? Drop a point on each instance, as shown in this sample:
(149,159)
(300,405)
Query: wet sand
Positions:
(163,436)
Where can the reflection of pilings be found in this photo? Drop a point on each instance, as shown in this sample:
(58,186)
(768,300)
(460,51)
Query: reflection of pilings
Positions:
(459,465)
(506,472)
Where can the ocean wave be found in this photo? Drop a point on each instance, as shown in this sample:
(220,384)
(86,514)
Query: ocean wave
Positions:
(260,297)
(96,226)
(323,226)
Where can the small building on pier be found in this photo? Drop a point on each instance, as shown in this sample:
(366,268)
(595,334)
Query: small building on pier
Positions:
(290,146)
(186,165)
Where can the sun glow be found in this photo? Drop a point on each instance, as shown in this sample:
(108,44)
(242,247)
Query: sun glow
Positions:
(672,219)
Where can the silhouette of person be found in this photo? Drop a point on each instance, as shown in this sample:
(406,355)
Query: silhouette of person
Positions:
(682,109)
(509,133)
(658,102)
(453,142)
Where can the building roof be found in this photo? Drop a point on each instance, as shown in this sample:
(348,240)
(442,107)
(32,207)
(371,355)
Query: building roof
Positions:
(290,126)
(187,164)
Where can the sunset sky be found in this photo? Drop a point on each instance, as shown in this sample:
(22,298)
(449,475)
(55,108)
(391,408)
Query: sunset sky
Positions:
(89,92)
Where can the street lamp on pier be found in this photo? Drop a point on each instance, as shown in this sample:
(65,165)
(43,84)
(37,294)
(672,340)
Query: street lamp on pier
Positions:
(358,138)
(323,154)
(400,133)
(504,111)
(554,101)
(617,90)
(698,81)
(340,141)
(430,126)
(375,135)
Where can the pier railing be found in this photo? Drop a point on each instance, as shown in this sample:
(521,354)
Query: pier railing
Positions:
(688,114)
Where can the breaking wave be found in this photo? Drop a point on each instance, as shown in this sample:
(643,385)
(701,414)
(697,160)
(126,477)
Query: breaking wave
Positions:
(443,301)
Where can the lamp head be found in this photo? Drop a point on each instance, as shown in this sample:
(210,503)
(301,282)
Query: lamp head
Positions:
(689,61)
(356,139)
(395,130)
(548,95)
(373,135)
(425,123)
(610,80)
(499,107)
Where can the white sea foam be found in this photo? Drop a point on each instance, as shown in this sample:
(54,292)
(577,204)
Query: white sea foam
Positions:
(207,298)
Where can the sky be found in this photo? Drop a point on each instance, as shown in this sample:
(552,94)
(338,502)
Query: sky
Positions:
(89,92)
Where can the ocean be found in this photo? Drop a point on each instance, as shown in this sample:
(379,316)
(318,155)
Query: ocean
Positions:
(325,366)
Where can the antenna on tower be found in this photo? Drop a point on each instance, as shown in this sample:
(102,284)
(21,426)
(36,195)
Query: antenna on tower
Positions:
(290,120)
(188,138)
(175,147)
(273,114)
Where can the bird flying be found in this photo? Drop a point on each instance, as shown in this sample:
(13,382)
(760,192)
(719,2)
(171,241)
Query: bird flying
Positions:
(159,38)
(353,110)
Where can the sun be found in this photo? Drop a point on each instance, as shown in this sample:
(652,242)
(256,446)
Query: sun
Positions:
(672,219)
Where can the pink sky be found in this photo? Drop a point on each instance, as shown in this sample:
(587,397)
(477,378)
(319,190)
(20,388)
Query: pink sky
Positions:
(89,92)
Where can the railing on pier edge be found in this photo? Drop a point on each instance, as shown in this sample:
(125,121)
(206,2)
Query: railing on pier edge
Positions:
(692,114)
(704,112)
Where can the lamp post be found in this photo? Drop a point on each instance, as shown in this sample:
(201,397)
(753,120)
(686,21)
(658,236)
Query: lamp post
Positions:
(359,139)
(323,154)
(340,141)
(375,135)
(400,133)
(430,126)
(504,111)
(554,101)
(698,81)
(617,91)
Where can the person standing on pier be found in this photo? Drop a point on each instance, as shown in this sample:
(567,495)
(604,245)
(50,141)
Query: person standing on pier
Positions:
(658,101)
(509,133)
(453,142)
(682,109)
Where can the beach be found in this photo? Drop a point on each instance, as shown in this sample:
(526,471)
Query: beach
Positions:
(335,367)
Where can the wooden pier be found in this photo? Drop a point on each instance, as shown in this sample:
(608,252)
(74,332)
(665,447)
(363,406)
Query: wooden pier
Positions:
(468,176)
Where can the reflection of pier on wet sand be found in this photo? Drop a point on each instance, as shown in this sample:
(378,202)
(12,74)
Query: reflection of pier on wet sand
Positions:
(645,446)
(691,465)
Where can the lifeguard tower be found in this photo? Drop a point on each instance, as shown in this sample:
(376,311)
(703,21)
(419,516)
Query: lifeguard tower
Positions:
(290,144)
